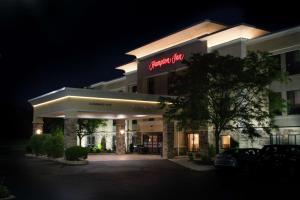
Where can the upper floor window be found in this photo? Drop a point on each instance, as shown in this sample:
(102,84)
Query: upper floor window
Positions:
(293,62)
(293,99)
(277,59)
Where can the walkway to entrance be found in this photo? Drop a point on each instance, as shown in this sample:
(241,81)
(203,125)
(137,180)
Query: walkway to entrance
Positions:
(124,157)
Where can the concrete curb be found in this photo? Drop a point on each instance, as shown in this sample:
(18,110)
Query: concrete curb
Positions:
(59,160)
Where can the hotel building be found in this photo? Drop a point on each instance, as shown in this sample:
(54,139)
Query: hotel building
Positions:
(130,103)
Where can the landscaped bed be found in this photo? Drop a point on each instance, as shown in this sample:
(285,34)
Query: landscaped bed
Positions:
(51,147)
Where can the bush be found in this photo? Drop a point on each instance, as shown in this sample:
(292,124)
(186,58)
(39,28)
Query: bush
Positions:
(4,192)
(109,151)
(197,155)
(54,145)
(211,151)
(191,156)
(131,147)
(103,143)
(28,148)
(37,144)
(76,153)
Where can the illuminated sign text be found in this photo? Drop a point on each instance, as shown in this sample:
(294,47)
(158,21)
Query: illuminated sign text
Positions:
(176,57)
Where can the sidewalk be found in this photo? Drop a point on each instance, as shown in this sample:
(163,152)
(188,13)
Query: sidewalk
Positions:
(191,165)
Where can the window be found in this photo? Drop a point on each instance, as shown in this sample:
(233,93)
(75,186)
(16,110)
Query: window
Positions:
(134,89)
(134,121)
(278,61)
(293,62)
(193,142)
(151,85)
(114,122)
(91,140)
(275,103)
(225,139)
(293,99)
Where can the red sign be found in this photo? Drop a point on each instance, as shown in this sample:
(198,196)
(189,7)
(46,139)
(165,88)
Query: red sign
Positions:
(176,57)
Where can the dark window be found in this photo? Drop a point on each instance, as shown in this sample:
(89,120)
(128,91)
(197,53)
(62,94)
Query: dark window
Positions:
(114,123)
(91,140)
(134,121)
(151,119)
(134,89)
(151,85)
(293,62)
(278,62)
(293,99)
(275,103)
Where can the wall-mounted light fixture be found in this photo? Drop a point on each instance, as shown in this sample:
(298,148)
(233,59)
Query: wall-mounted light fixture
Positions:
(38,131)
(122,131)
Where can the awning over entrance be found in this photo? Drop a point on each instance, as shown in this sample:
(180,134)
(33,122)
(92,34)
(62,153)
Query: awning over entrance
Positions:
(88,103)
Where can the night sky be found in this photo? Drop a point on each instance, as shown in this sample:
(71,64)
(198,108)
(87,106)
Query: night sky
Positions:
(48,44)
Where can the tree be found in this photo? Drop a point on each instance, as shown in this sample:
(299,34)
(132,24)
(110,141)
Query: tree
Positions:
(88,127)
(227,92)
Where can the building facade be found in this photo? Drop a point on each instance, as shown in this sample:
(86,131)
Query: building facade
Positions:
(130,103)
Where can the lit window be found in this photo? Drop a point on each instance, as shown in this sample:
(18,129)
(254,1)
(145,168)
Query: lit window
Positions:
(225,141)
(193,142)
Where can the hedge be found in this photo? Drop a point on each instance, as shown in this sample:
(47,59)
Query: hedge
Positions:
(76,153)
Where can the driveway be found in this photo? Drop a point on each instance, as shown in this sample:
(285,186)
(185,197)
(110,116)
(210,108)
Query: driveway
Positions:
(31,178)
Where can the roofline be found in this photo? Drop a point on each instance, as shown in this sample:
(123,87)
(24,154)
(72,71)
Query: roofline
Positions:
(230,27)
(182,29)
(107,82)
(274,34)
(47,94)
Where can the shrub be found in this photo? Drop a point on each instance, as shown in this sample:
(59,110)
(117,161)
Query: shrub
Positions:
(131,147)
(54,145)
(103,143)
(191,156)
(28,148)
(211,151)
(37,144)
(197,155)
(4,192)
(109,151)
(76,153)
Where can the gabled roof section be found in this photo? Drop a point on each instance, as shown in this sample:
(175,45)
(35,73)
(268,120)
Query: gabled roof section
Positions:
(240,31)
(204,28)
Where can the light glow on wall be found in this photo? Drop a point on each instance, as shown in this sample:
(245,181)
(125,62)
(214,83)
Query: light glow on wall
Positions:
(38,131)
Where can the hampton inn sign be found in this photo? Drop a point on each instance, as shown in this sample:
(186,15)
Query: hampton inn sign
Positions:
(130,104)
(176,57)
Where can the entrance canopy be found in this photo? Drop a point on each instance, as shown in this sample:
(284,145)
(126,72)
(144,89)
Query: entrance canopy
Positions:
(88,103)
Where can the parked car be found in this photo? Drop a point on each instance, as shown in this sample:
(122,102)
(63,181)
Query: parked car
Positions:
(236,158)
(279,157)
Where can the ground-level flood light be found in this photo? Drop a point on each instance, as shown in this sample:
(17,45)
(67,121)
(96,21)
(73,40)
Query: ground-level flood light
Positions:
(38,131)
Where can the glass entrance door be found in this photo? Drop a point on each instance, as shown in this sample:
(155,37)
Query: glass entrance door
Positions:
(152,142)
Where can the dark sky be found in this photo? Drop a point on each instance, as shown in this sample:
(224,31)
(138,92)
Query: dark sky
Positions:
(49,44)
